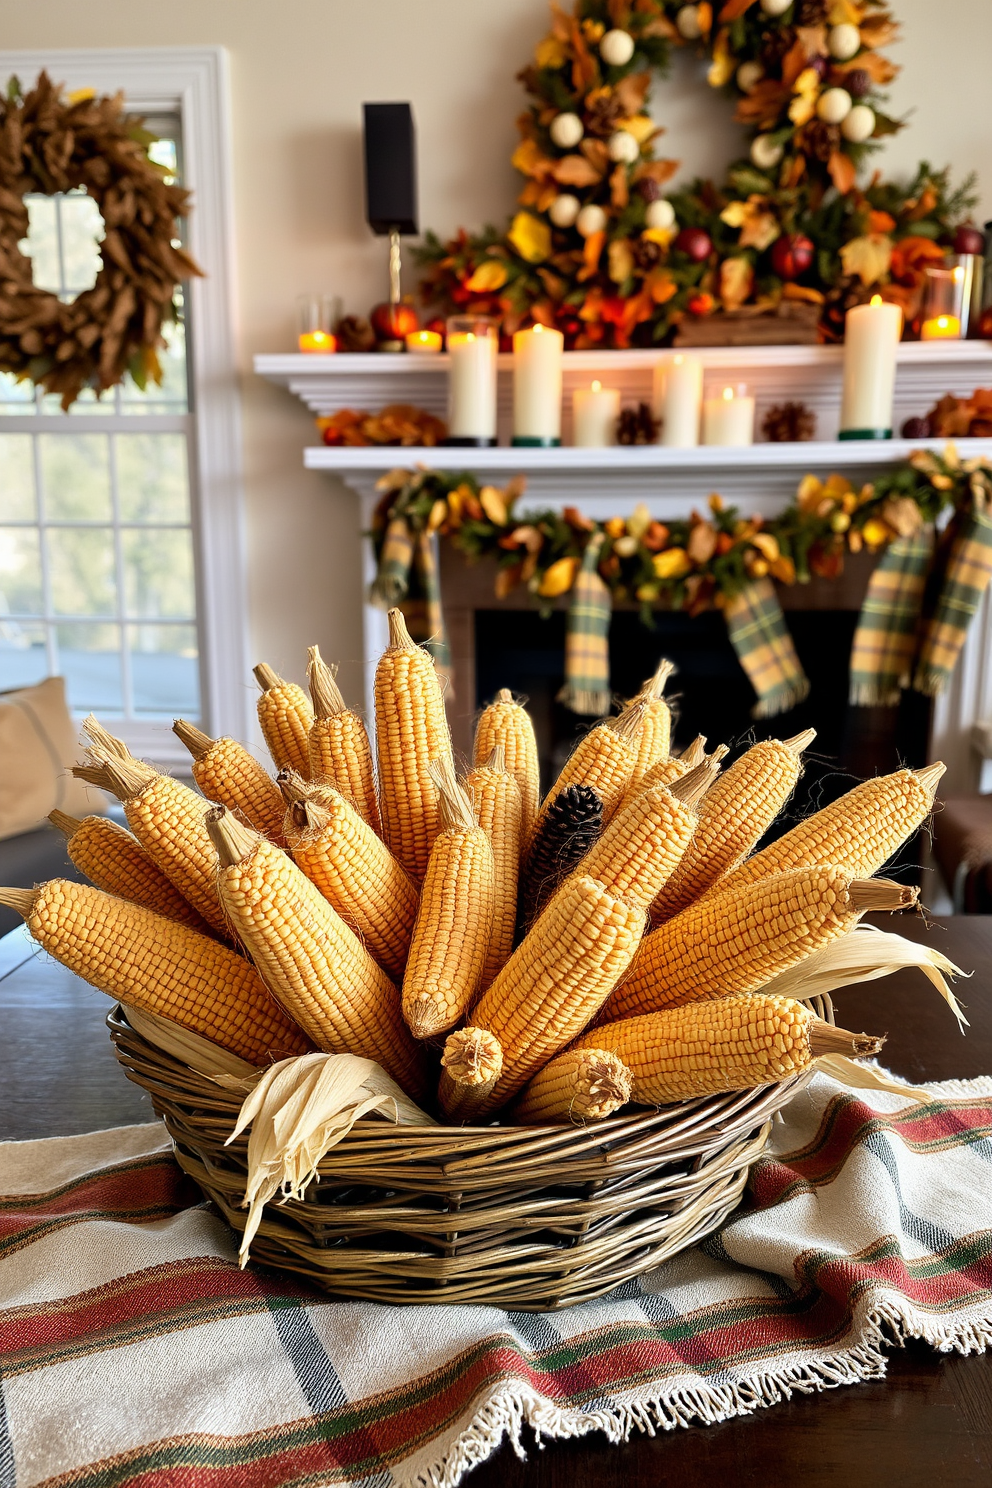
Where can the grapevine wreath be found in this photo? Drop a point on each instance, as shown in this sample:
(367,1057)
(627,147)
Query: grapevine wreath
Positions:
(51,143)
(597,249)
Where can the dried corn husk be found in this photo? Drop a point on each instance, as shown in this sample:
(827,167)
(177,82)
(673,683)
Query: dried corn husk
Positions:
(862,955)
(866,1077)
(298,1110)
(196,1052)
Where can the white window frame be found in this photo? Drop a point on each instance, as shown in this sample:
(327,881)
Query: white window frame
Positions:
(195,83)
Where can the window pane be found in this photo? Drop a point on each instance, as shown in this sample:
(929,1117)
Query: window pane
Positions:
(89,659)
(158,574)
(152,481)
(86,405)
(42,242)
(165,673)
(15,397)
(23,658)
(75,473)
(168,396)
(82,231)
(20,572)
(81,570)
(17,503)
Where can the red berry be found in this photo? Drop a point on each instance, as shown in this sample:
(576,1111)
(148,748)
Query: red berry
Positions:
(857,82)
(792,255)
(695,243)
(701,304)
(968,239)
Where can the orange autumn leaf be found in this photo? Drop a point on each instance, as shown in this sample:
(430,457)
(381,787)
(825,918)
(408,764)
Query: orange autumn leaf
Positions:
(763,105)
(880,222)
(576,170)
(879,30)
(842,172)
(732,10)
(592,251)
(868,257)
(910,256)
(736,282)
(794,62)
(619,190)
(661,286)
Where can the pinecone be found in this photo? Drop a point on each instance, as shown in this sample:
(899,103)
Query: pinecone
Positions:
(646,253)
(774,45)
(812,12)
(637,425)
(572,824)
(789,423)
(354,333)
(818,140)
(603,112)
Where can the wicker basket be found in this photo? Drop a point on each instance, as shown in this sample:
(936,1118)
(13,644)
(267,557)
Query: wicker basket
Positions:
(529,1218)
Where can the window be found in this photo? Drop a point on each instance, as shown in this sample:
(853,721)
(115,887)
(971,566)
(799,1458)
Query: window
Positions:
(96,538)
(120,521)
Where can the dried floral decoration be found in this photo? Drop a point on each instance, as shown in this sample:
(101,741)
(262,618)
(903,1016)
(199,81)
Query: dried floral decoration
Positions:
(52,143)
(399,423)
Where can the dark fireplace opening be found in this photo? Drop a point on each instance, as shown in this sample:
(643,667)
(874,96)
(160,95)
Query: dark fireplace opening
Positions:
(710,695)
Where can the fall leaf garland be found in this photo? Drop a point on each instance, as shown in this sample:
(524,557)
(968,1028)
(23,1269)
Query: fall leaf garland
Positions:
(51,143)
(695,564)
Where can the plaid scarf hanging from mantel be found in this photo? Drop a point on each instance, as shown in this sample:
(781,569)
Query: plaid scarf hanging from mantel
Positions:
(587,646)
(965,578)
(885,640)
(408,576)
(759,635)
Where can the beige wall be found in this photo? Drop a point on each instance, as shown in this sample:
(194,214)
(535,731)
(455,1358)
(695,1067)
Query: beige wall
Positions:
(301,70)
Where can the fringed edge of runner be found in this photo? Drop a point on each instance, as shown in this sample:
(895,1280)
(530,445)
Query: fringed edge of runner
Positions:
(870,695)
(503,1416)
(781,700)
(930,683)
(581,700)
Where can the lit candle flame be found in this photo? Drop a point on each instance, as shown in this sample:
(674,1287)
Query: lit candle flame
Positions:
(728,393)
(597,387)
(875,300)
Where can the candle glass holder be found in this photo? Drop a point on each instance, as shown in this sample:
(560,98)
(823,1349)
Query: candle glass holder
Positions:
(316,317)
(946,299)
(473,343)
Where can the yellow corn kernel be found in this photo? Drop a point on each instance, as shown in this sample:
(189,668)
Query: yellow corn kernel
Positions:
(314,966)
(411,730)
(508,723)
(285,716)
(167,819)
(740,939)
(146,961)
(579,1085)
(338,744)
(735,815)
(470,1066)
(495,797)
(655,739)
(116,862)
(353,869)
(603,760)
(228,774)
(556,980)
(737,1043)
(455,919)
(859,832)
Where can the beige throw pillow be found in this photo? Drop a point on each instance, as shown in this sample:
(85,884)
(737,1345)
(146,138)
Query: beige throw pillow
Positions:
(38,743)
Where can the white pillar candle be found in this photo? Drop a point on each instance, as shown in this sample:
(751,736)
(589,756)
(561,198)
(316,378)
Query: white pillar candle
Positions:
(472,348)
(537,385)
(678,399)
(729,418)
(871,339)
(595,412)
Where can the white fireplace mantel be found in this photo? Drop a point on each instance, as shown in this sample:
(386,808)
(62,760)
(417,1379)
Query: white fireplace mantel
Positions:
(602,482)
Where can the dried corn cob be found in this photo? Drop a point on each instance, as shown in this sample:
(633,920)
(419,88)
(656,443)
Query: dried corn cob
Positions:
(495,797)
(285,716)
(116,862)
(353,869)
(508,723)
(167,819)
(859,832)
(471,1064)
(411,730)
(455,919)
(146,961)
(646,841)
(740,939)
(737,1043)
(654,743)
(337,744)
(556,980)
(569,828)
(735,815)
(313,965)
(603,760)
(579,1085)
(666,772)
(228,774)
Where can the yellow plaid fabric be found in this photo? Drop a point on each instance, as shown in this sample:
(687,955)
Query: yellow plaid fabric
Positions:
(587,645)
(764,649)
(885,640)
(393,577)
(966,577)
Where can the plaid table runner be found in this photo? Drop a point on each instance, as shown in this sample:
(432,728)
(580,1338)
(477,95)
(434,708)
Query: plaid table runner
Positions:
(133,1351)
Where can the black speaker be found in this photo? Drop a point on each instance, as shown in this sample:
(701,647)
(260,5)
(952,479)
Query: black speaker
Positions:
(390,168)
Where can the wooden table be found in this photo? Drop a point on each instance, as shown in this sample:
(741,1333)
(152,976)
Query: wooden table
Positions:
(929,1425)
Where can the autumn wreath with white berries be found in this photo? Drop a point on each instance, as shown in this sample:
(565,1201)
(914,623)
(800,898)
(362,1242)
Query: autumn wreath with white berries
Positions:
(52,143)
